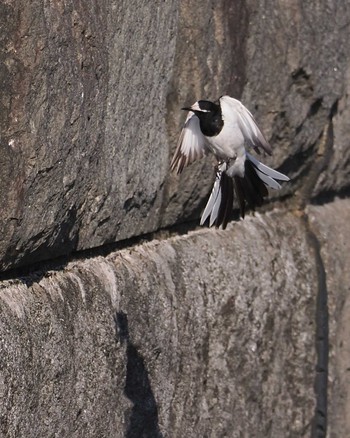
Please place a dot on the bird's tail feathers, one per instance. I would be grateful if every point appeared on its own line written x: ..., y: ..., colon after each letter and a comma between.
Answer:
x: 220, y: 204
x: 250, y: 189
x: 267, y: 174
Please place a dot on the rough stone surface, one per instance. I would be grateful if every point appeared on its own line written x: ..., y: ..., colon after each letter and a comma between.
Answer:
x: 207, y: 334
x: 83, y: 130
x: 211, y: 333
x: 296, y: 73
x: 90, y: 99
x: 331, y: 225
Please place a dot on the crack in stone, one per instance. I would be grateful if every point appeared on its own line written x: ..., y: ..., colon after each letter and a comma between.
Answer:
x: 323, y: 153
x: 319, y: 423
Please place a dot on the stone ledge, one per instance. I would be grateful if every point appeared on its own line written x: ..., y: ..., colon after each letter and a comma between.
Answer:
x: 206, y: 334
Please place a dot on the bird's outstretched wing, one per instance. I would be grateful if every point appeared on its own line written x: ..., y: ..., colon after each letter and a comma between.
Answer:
x: 191, y: 144
x: 250, y: 130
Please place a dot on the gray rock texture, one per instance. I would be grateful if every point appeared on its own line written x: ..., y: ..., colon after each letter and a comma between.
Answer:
x: 206, y: 334
x: 84, y: 133
x: 331, y: 225
x: 118, y: 317
x: 91, y: 95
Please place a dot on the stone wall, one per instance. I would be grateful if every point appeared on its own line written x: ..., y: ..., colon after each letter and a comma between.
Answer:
x: 119, y: 316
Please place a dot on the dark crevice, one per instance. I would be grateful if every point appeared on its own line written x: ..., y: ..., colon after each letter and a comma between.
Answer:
x: 324, y: 151
x: 300, y: 75
x: 34, y: 272
x: 319, y: 423
x: 329, y: 196
x: 314, y: 108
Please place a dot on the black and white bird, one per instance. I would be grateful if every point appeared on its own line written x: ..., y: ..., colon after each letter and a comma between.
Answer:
x: 225, y: 128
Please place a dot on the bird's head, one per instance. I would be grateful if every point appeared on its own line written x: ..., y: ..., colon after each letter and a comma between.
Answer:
x: 209, y: 114
x: 203, y: 107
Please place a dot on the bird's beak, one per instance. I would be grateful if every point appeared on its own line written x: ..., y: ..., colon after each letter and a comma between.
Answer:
x: 195, y: 108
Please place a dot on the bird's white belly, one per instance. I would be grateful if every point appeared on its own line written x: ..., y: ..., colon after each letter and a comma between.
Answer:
x: 229, y: 143
x: 237, y: 167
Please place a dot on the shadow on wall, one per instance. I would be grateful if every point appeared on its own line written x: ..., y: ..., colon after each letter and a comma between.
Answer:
x: 143, y: 420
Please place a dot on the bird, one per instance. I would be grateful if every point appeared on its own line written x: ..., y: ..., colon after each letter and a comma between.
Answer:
x: 226, y: 128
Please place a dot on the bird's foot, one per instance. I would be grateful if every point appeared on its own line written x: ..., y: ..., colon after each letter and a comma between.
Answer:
x: 231, y: 160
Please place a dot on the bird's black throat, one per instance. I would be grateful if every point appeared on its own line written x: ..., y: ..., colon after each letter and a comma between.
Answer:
x: 210, y: 118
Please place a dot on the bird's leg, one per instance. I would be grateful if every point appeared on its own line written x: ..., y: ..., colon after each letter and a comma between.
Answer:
x: 217, y: 169
x: 220, y: 168
x: 230, y: 160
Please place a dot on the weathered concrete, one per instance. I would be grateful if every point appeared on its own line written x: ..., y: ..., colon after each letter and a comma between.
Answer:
x: 206, y: 334
x: 90, y: 99
x: 331, y: 225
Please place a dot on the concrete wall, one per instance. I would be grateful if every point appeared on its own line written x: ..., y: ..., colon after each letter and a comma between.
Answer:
x: 119, y: 316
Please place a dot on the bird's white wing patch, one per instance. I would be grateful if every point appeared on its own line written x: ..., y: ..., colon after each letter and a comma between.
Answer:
x: 191, y: 144
x: 246, y: 122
